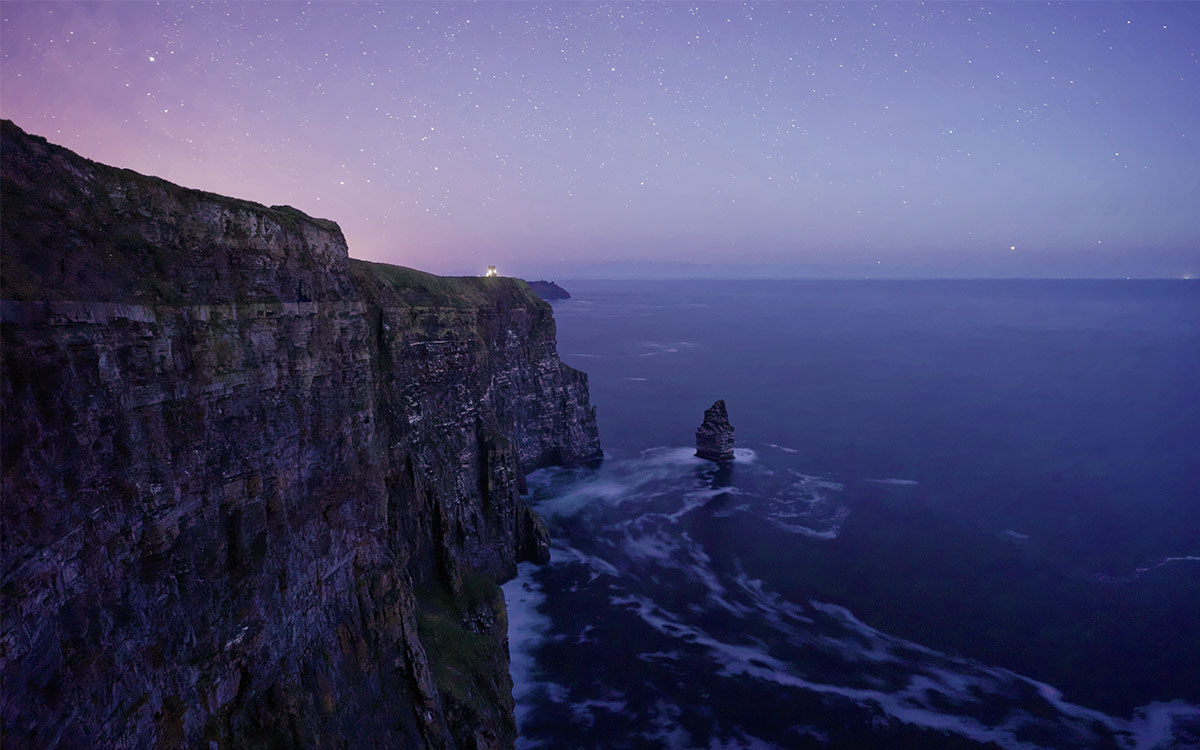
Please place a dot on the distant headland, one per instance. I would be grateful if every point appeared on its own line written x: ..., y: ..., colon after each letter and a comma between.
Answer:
x: 548, y: 290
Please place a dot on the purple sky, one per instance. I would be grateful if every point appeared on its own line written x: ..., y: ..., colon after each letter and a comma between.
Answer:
x: 674, y: 139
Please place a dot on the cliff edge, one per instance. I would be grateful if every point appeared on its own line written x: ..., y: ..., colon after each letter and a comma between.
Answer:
x: 256, y: 493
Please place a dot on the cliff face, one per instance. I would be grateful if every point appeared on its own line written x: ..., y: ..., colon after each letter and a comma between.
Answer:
x: 255, y: 492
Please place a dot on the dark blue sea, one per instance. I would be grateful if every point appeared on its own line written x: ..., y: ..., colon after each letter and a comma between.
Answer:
x: 962, y: 514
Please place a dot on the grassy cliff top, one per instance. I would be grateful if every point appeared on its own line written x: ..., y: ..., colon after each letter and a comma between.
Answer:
x: 421, y: 289
x: 19, y: 144
x: 75, y: 229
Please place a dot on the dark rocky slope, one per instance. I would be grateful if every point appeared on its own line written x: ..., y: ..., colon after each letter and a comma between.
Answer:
x: 548, y: 289
x: 256, y: 493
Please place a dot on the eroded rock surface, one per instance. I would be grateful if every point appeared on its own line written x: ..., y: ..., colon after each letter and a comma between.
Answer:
x: 256, y: 493
x: 714, y: 437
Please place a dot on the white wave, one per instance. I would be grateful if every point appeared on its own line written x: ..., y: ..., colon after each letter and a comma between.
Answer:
x: 679, y: 552
x: 741, y: 741
x: 585, y: 711
x: 1149, y: 729
x: 829, y: 532
x: 667, y: 730
x: 906, y: 681
x: 673, y: 455
x: 866, y: 632
x: 1015, y: 535
x: 656, y: 348
x: 668, y: 655
x: 527, y: 627
x: 753, y: 661
x: 1139, y: 572
x: 893, y: 481
x: 808, y: 531
x: 655, y: 472
x: 1151, y: 726
x: 700, y: 498
x: 636, y: 380
x: 769, y: 604
x: 668, y: 346
x: 933, y: 683
x: 582, y: 495
x: 660, y: 548
x: 598, y: 565
x: 813, y: 483
x: 585, y: 635
x: 783, y: 448
x: 804, y: 730
x: 744, y: 456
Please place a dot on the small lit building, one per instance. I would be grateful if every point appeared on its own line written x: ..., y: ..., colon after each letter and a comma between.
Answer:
x: 491, y: 271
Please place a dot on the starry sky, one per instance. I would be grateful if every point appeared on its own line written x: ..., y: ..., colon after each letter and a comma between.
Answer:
x: 570, y: 140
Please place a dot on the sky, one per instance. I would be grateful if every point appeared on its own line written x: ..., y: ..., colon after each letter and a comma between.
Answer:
x: 569, y: 140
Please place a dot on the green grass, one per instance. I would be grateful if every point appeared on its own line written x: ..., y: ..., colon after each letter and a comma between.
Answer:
x: 65, y: 238
x: 425, y: 289
x: 464, y: 663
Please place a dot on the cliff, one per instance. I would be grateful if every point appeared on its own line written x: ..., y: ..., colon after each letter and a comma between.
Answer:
x: 548, y: 290
x: 256, y: 493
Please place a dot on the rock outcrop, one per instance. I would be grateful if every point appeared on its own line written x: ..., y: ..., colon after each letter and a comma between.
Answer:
x: 256, y: 494
x: 548, y: 289
x: 714, y: 437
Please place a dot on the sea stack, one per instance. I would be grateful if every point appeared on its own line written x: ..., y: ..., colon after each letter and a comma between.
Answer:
x: 714, y: 437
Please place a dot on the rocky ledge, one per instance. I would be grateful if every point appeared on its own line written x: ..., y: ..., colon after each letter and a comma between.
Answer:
x: 714, y: 437
x: 256, y: 494
x: 548, y: 289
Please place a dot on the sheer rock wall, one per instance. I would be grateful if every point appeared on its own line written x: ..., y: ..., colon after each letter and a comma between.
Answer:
x: 256, y: 493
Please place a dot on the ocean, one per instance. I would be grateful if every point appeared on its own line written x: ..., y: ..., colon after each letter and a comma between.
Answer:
x: 961, y: 514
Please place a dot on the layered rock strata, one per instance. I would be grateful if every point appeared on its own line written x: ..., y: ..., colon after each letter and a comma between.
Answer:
x: 256, y: 493
x: 714, y: 437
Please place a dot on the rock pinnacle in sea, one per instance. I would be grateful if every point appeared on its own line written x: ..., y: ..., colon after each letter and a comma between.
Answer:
x: 714, y: 437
